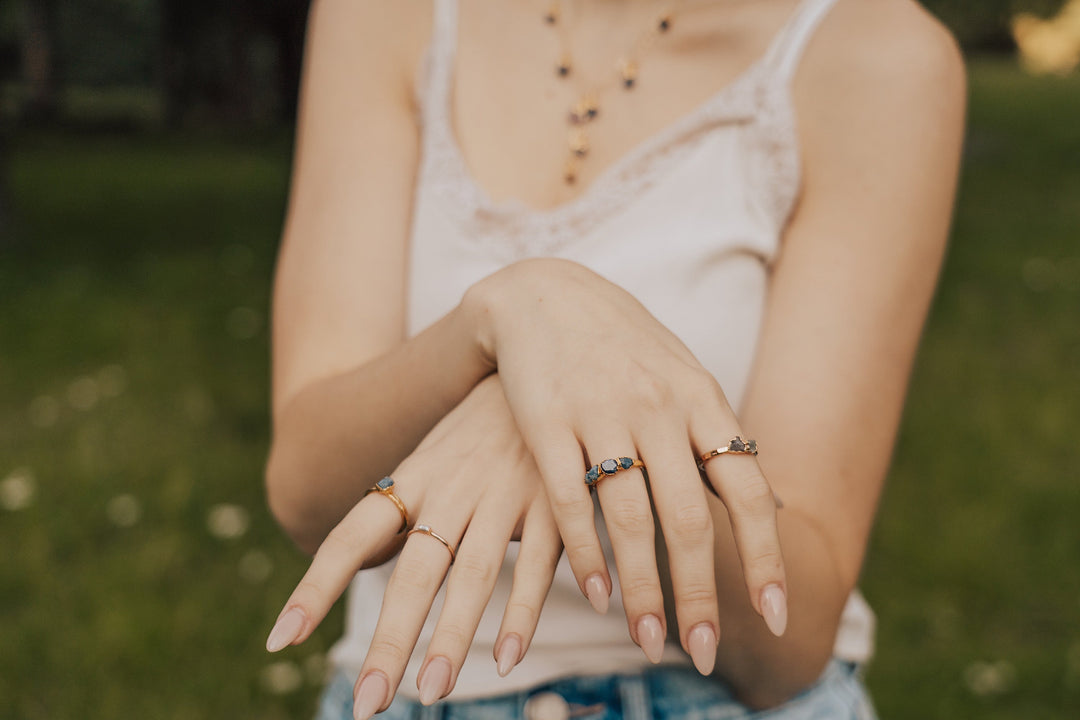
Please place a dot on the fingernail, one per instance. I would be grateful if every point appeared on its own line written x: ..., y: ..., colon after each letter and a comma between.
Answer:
x: 509, y: 654
x: 597, y: 592
x: 650, y: 636
x: 434, y: 680
x: 370, y: 696
x: 774, y: 608
x: 285, y: 630
x: 701, y: 643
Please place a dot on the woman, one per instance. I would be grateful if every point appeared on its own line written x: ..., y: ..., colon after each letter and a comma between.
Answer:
x: 536, y: 251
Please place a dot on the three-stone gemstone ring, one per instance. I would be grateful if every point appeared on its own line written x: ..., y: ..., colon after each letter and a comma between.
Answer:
x: 596, y: 473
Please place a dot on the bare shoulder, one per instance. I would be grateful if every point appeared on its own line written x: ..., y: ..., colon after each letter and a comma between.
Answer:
x: 387, y: 36
x: 893, y: 43
x: 880, y: 98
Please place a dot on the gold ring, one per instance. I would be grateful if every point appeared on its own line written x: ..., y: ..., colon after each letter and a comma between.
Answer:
x: 386, y: 487
x: 736, y: 446
x: 596, y: 473
x: 426, y: 530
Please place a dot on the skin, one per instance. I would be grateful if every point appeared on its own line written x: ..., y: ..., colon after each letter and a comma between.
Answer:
x: 879, y: 96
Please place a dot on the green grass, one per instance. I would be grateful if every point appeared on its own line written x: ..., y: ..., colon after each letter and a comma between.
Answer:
x: 133, y: 389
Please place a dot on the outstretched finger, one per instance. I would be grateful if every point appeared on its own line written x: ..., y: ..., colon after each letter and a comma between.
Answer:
x: 468, y: 590
x: 739, y: 483
x: 366, y: 529
x: 534, y: 571
x: 560, y: 459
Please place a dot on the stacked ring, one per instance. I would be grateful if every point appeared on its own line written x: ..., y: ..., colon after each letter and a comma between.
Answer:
x: 736, y: 446
x: 596, y: 473
x: 386, y: 487
x: 426, y: 530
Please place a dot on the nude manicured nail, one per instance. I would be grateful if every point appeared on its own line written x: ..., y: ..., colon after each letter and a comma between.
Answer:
x: 701, y: 643
x: 370, y: 696
x: 434, y: 680
x: 650, y: 636
x: 285, y: 630
x: 509, y: 655
x: 774, y: 608
x: 597, y: 592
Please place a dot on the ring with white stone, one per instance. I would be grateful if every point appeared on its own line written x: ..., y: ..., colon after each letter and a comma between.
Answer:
x: 386, y: 487
x: 426, y: 530
x: 596, y: 473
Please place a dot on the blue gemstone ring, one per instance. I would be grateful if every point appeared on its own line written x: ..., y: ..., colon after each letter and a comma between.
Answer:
x: 596, y: 473
x: 386, y: 487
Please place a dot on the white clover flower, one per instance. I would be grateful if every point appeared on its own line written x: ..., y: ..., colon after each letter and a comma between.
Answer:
x: 244, y: 323
x: 112, y: 380
x: 226, y: 521
x: 44, y: 411
x: 986, y: 679
x: 255, y: 566
x: 123, y: 510
x: 17, y: 490
x: 83, y: 393
x: 281, y: 678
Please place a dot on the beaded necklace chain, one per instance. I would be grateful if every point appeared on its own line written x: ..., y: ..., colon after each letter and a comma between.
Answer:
x: 586, y: 109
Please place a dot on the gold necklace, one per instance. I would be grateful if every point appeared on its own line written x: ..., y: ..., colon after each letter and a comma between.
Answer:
x: 586, y: 109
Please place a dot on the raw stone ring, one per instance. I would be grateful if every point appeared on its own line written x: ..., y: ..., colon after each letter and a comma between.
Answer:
x: 596, y: 473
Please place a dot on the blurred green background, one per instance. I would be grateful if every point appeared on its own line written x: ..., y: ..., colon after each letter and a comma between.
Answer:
x: 143, y: 171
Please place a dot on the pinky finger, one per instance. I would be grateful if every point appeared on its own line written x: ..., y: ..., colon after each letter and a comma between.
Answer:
x: 541, y: 547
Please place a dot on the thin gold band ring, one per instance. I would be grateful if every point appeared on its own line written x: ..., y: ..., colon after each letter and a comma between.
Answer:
x: 386, y: 487
x: 426, y: 530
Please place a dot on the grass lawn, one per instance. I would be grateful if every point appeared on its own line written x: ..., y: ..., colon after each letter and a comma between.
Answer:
x: 141, y: 570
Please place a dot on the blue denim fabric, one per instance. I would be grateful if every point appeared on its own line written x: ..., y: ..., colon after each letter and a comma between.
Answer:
x: 664, y: 693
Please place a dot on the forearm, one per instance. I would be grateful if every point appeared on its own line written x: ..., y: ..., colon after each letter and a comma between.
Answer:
x: 338, y: 435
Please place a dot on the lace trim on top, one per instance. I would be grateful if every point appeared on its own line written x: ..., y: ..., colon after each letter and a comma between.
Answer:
x: 759, y: 98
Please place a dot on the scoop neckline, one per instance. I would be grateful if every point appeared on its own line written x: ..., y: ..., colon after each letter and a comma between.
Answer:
x: 611, y: 176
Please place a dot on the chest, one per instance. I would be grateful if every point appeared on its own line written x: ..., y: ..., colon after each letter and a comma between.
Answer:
x: 508, y: 107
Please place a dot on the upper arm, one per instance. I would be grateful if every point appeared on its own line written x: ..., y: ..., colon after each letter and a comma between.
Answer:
x: 880, y: 100
x: 339, y: 295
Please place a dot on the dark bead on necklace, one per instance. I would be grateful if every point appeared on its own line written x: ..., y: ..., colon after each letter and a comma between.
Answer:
x: 562, y: 70
x: 550, y: 18
x: 629, y: 83
x: 664, y: 25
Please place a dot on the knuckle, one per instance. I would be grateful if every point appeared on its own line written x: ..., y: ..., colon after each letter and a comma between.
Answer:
x: 629, y: 519
x: 453, y: 635
x: 472, y: 571
x: 641, y: 587
x: 567, y: 501
x: 755, y: 499
x: 522, y: 612
x: 389, y: 647
x: 653, y: 393
x: 693, y: 524
x: 308, y: 594
x: 341, y: 543
x: 768, y: 561
x: 411, y: 577
x: 695, y: 595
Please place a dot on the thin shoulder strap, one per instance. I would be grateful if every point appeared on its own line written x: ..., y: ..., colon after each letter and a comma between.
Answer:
x: 787, y: 48
x: 441, y: 51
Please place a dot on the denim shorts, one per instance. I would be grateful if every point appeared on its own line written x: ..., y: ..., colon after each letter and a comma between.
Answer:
x: 662, y: 693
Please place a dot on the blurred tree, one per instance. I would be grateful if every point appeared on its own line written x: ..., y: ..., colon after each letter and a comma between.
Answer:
x: 38, y: 60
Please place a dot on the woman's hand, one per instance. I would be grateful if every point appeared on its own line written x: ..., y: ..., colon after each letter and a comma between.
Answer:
x: 472, y: 481
x: 586, y: 368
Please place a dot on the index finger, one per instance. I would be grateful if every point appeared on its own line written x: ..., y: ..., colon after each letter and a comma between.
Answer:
x: 364, y: 531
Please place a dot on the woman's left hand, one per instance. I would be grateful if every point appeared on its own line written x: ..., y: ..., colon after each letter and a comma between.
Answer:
x: 473, y: 482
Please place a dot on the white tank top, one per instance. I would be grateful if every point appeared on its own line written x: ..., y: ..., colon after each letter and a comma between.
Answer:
x: 689, y: 222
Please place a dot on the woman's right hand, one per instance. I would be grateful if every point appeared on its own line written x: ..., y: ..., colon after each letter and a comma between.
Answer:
x: 588, y: 370
x: 473, y: 482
